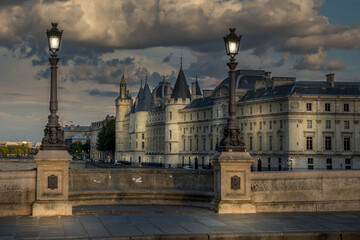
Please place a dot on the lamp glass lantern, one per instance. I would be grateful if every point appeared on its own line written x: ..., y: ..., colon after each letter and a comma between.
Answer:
x: 232, y: 43
x: 54, y: 38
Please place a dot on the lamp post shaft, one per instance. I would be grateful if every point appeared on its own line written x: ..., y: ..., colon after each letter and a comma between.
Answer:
x: 53, y: 137
x: 232, y: 141
x: 53, y: 94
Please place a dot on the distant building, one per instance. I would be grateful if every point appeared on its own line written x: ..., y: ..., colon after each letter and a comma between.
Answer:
x: 286, y: 124
x: 95, y: 128
x: 77, y: 133
x: 29, y: 144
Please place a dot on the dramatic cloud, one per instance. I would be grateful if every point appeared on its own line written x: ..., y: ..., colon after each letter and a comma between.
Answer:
x: 96, y: 92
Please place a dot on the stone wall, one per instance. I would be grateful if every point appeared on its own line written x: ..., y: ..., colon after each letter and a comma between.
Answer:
x: 20, y: 164
x: 141, y: 186
x: 306, y: 191
x: 17, y: 192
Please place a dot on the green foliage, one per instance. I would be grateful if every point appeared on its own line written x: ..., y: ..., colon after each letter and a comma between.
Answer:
x: 106, y: 137
x: 16, y: 150
x: 86, y: 147
x: 76, y: 149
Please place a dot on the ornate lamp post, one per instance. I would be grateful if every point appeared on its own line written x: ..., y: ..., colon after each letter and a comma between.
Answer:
x: 232, y: 141
x: 53, y: 137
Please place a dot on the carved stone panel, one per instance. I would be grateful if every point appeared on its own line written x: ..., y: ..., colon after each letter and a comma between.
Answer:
x: 52, y: 182
x: 235, y: 182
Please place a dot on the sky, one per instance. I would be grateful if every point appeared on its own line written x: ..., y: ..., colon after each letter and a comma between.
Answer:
x: 102, y: 40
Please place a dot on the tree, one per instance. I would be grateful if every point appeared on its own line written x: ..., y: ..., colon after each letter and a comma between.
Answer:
x: 76, y: 148
x: 106, y: 137
x: 86, y: 147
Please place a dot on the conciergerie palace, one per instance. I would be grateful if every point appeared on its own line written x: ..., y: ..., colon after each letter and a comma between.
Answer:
x: 286, y: 124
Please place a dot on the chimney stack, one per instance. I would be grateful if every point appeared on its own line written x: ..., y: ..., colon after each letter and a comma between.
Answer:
x: 330, y: 79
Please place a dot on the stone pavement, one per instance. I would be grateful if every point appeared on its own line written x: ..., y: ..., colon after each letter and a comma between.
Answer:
x: 185, y: 225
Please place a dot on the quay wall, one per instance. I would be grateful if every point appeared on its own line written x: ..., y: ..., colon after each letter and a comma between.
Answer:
x: 141, y: 186
x: 17, y: 192
x: 308, y: 191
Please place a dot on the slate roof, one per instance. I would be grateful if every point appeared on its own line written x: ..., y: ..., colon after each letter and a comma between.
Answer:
x: 146, y: 100
x: 181, y: 88
x: 200, y: 102
x: 133, y: 107
x: 305, y: 88
x: 245, y: 79
x: 77, y: 128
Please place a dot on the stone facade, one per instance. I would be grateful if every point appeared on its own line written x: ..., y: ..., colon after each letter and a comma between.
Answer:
x: 287, y: 124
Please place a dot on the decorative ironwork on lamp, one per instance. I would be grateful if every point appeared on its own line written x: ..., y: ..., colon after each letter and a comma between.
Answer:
x: 232, y: 140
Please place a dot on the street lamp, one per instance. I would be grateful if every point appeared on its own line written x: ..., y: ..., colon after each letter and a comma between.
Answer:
x: 291, y: 163
x: 53, y: 137
x: 232, y: 141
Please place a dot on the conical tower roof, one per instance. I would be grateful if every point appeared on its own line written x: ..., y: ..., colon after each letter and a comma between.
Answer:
x: 181, y: 88
x: 146, y: 100
x: 197, y: 86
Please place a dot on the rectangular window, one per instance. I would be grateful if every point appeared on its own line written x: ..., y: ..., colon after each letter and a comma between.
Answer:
x: 309, y: 124
x: 260, y: 125
x: 281, y: 124
x: 184, y: 145
x: 204, y: 115
x: 346, y: 124
x: 139, y: 158
x: 142, y: 145
x: 211, y: 144
x: 346, y: 107
x: 270, y: 108
x: 270, y: 124
x: 260, y: 143
x: 270, y: 143
x: 136, y: 136
x: 347, y: 163
x: 309, y: 143
x: 197, y: 144
x: 310, y: 163
x: 281, y: 143
x: 308, y: 107
x: 197, y: 116
x: 279, y: 163
x: 346, y: 143
x: 242, y: 127
x: 190, y: 144
x: 184, y: 117
x: 143, y: 136
x: 170, y: 134
x: 327, y: 107
x: 170, y: 115
x: 242, y: 111
x: 169, y: 147
x: 250, y: 110
x: 327, y: 143
x: 329, y: 163
x: 190, y: 116
x: 251, y: 143
x: 269, y: 164
x: 327, y: 124
x: 136, y: 145
x: 250, y: 126
x: 260, y: 109
x: 204, y: 144
x: 280, y: 107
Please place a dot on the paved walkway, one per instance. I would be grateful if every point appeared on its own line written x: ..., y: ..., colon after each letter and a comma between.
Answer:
x: 331, y: 225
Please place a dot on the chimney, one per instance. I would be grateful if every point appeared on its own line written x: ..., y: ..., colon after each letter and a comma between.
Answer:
x: 330, y: 79
x: 193, y: 90
x: 268, y: 75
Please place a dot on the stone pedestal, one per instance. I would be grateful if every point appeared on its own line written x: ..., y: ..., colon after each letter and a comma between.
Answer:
x: 232, y: 182
x: 52, y: 183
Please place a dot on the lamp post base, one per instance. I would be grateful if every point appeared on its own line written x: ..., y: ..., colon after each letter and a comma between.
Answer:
x: 52, y: 208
